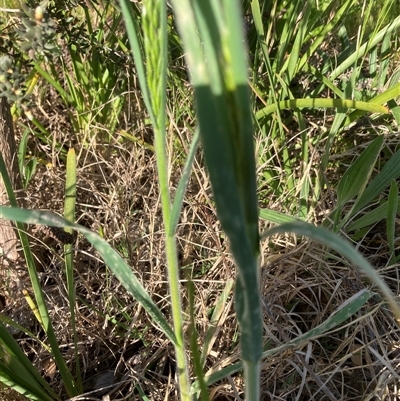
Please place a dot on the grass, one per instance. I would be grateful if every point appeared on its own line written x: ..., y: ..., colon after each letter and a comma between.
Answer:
x: 159, y: 285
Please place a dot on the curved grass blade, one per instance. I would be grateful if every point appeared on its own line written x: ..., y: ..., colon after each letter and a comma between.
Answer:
x: 389, y: 172
x: 344, y: 312
x: 369, y: 218
x: 355, y: 179
x: 276, y: 217
x: 180, y: 191
x: 343, y: 247
x: 113, y: 260
x: 384, y: 97
x: 360, y: 51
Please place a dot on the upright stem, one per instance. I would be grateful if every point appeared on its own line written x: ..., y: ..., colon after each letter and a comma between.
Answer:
x: 251, y: 372
x: 155, y: 45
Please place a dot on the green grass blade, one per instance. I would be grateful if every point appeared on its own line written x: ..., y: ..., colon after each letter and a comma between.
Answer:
x: 136, y: 42
x: 219, y: 75
x: 344, y: 312
x: 384, y: 97
x: 113, y: 260
x: 7, y: 321
x: 293, y: 61
x: 79, y: 69
x: 226, y: 129
x: 50, y: 79
x: 389, y: 172
x: 276, y: 217
x: 361, y: 51
x: 20, y: 383
x: 395, y: 110
x: 393, y: 205
x: 355, y: 179
x: 152, y: 50
x: 320, y: 35
x: 44, y: 136
x: 343, y: 247
x: 180, y: 191
x: 369, y: 218
x: 69, y: 214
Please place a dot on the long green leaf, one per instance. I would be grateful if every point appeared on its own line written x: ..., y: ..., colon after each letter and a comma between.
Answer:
x: 360, y: 51
x: 356, y: 177
x: 344, y: 312
x: 276, y: 217
x: 180, y: 191
x: 152, y: 74
x: 389, y: 172
x: 135, y: 40
x: 343, y: 247
x: 393, y: 204
x: 384, y: 97
x: 370, y: 217
x: 50, y: 79
x: 219, y: 76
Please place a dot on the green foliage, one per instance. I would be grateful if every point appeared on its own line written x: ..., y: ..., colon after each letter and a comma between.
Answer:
x: 97, y: 79
x: 357, y: 187
x: 69, y: 214
x: 37, y: 32
x: 51, y: 36
x: 26, y: 163
x: 17, y: 371
x: 286, y: 53
x: 355, y: 179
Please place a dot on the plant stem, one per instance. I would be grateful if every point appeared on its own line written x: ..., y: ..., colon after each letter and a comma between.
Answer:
x: 252, y: 380
x: 155, y: 41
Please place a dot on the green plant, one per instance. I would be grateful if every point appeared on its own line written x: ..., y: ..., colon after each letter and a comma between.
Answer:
x: 97, y: 79
x: 26, y: 163
x: 289, y: 60
x: 214, y: 50
x: 90, y: 85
